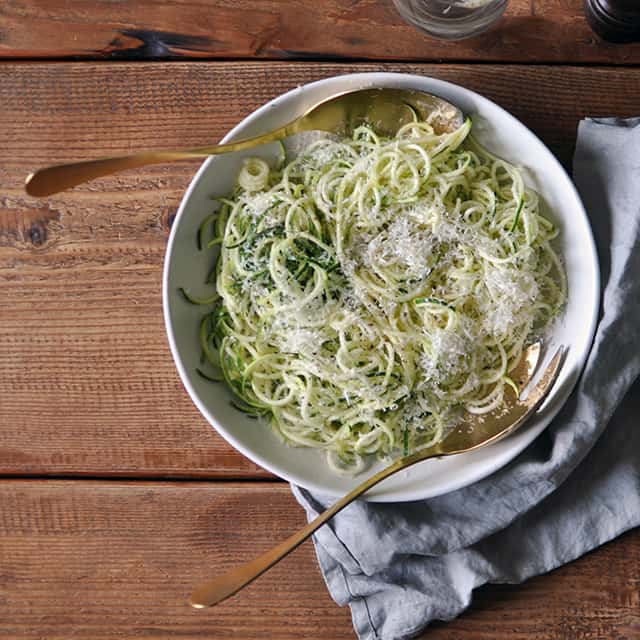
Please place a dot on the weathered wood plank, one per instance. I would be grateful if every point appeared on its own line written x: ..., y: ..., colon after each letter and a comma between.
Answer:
x: 107, y: 560
x: 87, y: 385
x: 531, y: 31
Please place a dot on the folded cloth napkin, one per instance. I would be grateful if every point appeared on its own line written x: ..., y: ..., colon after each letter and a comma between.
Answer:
x: 401, y: 565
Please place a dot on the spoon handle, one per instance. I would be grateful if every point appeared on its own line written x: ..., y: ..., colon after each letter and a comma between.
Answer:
x: 218, y: 589
x: 50, y: 180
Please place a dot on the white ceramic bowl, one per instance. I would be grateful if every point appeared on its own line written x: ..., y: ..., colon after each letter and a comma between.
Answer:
x: 184, y: 266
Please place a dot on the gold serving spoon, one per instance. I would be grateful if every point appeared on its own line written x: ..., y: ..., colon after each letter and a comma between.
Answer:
x: 385, y: 109
x: 474, y: 432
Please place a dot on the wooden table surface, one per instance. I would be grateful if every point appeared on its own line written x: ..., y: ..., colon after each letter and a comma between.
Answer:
x: 115, y: 494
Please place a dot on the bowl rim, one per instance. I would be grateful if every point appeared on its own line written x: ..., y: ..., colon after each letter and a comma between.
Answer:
x: 552, y: 404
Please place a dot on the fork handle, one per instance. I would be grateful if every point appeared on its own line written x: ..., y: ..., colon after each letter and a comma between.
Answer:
x: 218, y: 589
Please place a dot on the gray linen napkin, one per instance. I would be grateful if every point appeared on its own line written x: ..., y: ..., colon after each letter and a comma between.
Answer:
x: 399, y: 566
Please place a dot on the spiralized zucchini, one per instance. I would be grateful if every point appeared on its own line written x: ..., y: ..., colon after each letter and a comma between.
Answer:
x: 372, y: 289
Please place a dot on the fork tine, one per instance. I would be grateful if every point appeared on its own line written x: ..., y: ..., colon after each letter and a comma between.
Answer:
x: 547, y: 380
x: 537, y: 395
x: 479, y: 430
x: 525, y: 370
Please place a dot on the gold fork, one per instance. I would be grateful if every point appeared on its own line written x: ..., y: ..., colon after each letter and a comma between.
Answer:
x: 473, y: 432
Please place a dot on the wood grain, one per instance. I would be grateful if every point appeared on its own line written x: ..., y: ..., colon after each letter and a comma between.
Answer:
x: 531, y: 31
x: 107, y: 560
x: 87, y: 385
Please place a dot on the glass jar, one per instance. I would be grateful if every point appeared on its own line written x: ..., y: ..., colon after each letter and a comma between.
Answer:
x: 451, y: 19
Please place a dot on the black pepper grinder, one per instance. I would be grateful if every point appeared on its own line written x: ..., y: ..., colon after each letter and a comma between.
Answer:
x: 614, y: 20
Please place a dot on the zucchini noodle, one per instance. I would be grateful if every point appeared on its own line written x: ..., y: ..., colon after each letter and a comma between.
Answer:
x: 372, y: 289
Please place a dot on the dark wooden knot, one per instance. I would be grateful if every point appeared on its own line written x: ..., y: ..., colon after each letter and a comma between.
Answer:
x: 37, y: 234
x: 168, y: 216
